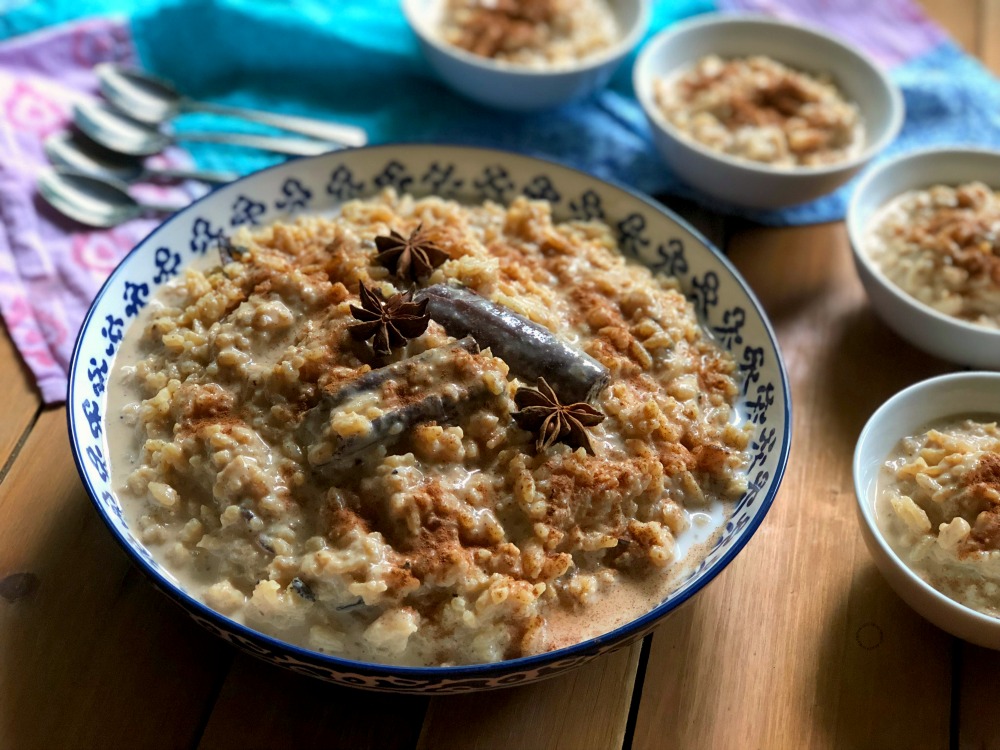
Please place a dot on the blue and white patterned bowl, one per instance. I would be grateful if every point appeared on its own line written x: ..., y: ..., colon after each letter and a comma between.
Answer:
x: 647, y: 232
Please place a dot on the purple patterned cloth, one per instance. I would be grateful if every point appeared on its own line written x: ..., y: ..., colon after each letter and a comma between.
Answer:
x: 51, y: 267
x: 891, y: 31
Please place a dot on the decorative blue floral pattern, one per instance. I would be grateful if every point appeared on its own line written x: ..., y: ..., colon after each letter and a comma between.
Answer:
x: 671, y: 258
x: 632, y: 235
x: 202, y: 236
x: 540, y: 189
x: 643, y: 233
x: 135, y: 295
x: 167, y: 262
x: 704, y: 293
x: 98, y: 376
x: 394, y: 175
x: 441, y: 180
x: 729, y: 333
x: 295, y: 196
x: 587, y: 207
x: 494, y: 184
x: 114, y: 332
x: 342, y: 185
x: 92, y: 412
x: 246, y: 211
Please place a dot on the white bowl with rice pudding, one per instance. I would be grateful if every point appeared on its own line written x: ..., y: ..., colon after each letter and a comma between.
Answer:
x: 525, y: 55
x: 427, y: 417
x: 925, y: 232
x: 763, y: 113
x: 927, y: 479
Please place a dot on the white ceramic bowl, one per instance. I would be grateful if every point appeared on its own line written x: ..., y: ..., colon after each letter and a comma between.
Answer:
x: 514, y: 87
x: 741, y: 181
x: 908, y: 413
x: 646, y: 232
x: 921, y: 325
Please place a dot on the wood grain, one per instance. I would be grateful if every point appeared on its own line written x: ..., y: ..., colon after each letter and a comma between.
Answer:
x: 266, y: 707
x: 989, y: 34
x: 977, y: 668
x: 961, y: 19
x: 21, y: 399
x: 800, y: 643
x: 91, y: 656
x: 587, y: 708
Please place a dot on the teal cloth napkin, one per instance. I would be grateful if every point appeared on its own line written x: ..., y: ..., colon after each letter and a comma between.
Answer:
x: 355, y: 61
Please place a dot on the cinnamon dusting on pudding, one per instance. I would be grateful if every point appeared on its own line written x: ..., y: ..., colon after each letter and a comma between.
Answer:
x: 392, y: 509
x: 532, y: 33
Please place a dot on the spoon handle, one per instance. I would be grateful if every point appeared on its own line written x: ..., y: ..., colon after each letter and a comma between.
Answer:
x: 291, y: 146
x: 347, y: 135
x: 202, y: 175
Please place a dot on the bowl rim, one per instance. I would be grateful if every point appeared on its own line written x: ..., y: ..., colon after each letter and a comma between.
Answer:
x: 855, y: 232
x: 616, y: 51
x: 622, y: 633
x: 643, y: 92
x: 867, y: 509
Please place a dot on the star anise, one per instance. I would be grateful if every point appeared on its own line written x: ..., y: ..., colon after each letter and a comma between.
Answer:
x: 411, y: 257
x: 391, y: 321
x: 541, y: 413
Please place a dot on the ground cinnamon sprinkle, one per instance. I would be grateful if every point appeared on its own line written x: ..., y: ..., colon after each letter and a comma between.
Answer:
x: 535, y: 33
x: 941, y: 491
x: 941, y: 246
x: 459, y: 539
x: 759, y: 109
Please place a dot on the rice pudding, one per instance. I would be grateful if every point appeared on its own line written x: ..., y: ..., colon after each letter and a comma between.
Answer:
x: 425, y: 433
x: 758, y: 109
x: 530, y: 33
x: 941, y: 246
x: 938, y: 506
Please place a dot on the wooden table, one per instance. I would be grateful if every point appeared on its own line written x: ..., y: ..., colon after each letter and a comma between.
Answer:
x: 799, y: 643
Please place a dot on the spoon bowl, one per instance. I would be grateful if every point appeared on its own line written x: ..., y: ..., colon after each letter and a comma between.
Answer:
x: 145, y: 97
x: 118, y: 132
x: 91, y: 200
x: 78, y: 152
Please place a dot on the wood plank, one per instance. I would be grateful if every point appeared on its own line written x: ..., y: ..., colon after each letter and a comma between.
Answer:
x: 90, y: 654
x: 978, y: 727
x: 587, y: 708
x: 977, y: 668
x: 989, y: 29
x: 21, y: 399
x: 800, y: 643
x: 961, y: 18
x: 263, y: 706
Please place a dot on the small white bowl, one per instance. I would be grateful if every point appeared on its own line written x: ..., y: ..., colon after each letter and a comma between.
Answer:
x: 908, y: 413
x: 517, y: 87
x: 741, y: 181
x: 921, y: 325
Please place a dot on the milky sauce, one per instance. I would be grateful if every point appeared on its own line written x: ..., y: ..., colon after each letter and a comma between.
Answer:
x: 351, y: 570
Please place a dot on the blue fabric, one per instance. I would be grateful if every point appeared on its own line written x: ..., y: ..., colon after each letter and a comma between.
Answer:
x: 356, y: 61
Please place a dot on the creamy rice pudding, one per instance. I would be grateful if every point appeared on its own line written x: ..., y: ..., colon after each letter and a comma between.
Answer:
x: 758, y: 109
x: 942, y: 247
x: 532, y: 33
x: 425, y: 433
x: 938, y: 506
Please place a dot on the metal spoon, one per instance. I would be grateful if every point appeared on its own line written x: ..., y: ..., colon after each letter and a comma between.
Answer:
x: 121, y: 133
x: 153, y: 100
x: 92, y: 200
x: 77, y: 152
